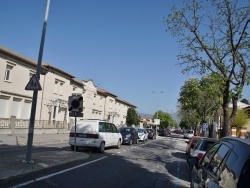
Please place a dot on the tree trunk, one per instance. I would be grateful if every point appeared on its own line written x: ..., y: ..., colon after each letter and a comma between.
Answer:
x: 227, y: 119
x: 226, y: 128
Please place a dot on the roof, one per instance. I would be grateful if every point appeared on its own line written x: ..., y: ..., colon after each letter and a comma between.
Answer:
x: 50, y: 67
x: 16, y: 55
x: 246, y: 141
x: 240, y: 105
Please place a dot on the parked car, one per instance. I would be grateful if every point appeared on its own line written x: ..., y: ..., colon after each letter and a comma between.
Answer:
x: 129, y: 135
x: 191, y: 143
x: 151, y: 133
x: 201, y: 147
x: 143, y: 134
x: 164, y: 132
x: 225, y: 164
x: 189, y: 134
x: 94, y: 134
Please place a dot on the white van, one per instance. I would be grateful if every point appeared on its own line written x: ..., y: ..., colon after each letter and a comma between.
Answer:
x: 95, y: 134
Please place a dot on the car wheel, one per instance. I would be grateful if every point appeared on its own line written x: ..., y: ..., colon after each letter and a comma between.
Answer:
x: 130, y: 142
x: 118, y: 144
x: 102, y: 147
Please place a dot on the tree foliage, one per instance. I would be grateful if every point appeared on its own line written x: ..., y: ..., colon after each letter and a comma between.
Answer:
x: 214, y: 38
x: 245, y: 101
x: 132, y: 117
x: 166, y: 119
x: 240, y: 120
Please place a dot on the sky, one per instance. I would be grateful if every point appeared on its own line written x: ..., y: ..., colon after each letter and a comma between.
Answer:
x: 122, y: 45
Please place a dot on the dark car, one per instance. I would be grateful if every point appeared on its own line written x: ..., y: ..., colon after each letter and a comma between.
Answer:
x: 225, y: 164
x: 151, y: 133
x: 164, y: 132
x: 129, y: 135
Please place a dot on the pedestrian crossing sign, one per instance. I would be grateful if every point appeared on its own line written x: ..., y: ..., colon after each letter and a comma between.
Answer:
x: 33, y: 84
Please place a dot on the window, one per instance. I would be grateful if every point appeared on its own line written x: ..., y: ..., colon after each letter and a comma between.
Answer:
x: 108, y: 128
x: 209, y: 154
x: 4, y: 106
x: 54, y: 114
x: 101, y: 127
x: 114, y: 129
x: 7, y: 73
x: 56, y: 87
x: 217, y: 159
x: 230, y: 173
x: 26, y: 109
x: 16, y: 107
x: 61, y: 89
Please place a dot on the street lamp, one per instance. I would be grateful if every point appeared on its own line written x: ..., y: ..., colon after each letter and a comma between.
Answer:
x: 157, y: 106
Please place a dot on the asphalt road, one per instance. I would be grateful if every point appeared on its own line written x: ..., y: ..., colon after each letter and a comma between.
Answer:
x: 156, y: 163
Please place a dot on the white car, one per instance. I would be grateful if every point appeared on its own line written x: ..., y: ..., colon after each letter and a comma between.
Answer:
x: 189, y: 134
x: 94, y: 134
x: 143, y: 134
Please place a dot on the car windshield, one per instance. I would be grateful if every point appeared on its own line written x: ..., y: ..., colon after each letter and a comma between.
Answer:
x: 190, y: 132
x: 125, y: 130
x: 140, y: 130
x: 149, y: 130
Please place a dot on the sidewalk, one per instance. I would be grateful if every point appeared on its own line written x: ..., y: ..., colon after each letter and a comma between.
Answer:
x: 11, y: 165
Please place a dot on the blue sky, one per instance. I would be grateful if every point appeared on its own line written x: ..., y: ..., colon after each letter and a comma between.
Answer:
x: 121, y: 45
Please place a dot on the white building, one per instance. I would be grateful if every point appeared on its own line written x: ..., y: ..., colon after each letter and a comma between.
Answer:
x: 52, y: 102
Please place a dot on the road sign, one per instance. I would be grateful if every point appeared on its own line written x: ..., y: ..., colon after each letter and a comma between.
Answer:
x: 205, y: 126
x: 33, y: 84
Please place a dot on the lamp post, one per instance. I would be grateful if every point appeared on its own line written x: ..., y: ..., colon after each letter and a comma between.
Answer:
x: 157, y: 107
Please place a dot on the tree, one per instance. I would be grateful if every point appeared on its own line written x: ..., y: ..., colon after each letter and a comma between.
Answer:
x: 240, y: 120
x: 214, y: 38
x: 132, y: 117
x: 184, y: 124
x: 200, y: 99
x: 166, y: 119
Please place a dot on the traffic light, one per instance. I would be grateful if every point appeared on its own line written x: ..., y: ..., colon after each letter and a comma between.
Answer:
x: 75, y: 103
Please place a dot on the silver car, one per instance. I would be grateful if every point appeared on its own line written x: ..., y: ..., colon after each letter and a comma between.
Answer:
x: 143, y: 134
x: 189, y: 134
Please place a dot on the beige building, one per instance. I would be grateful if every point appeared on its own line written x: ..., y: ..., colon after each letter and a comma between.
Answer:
x: 52, y: 102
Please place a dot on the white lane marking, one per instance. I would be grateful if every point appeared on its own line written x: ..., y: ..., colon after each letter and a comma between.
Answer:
x: 60, y: 172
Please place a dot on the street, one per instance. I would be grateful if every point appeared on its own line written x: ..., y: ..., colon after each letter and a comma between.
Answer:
x: 155, y: 163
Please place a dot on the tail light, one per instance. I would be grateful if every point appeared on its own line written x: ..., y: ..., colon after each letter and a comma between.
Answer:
x: 71, y: 134
x: 200, y: 155
x: 93, y: 136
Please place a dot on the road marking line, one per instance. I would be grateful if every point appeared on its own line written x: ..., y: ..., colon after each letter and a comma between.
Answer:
x: 60, y: 172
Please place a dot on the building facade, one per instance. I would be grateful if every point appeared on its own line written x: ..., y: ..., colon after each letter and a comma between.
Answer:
x: 52, y: 103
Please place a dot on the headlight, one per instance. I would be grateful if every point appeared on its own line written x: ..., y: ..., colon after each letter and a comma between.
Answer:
x: 128, y: 135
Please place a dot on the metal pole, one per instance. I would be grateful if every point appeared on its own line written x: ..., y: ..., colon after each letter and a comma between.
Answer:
x: 35, y: 93
x: 156, y: 109
x: 75, y: 133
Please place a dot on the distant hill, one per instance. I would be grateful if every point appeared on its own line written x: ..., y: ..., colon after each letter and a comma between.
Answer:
x: 174, y: 116
x: 145, y: 115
